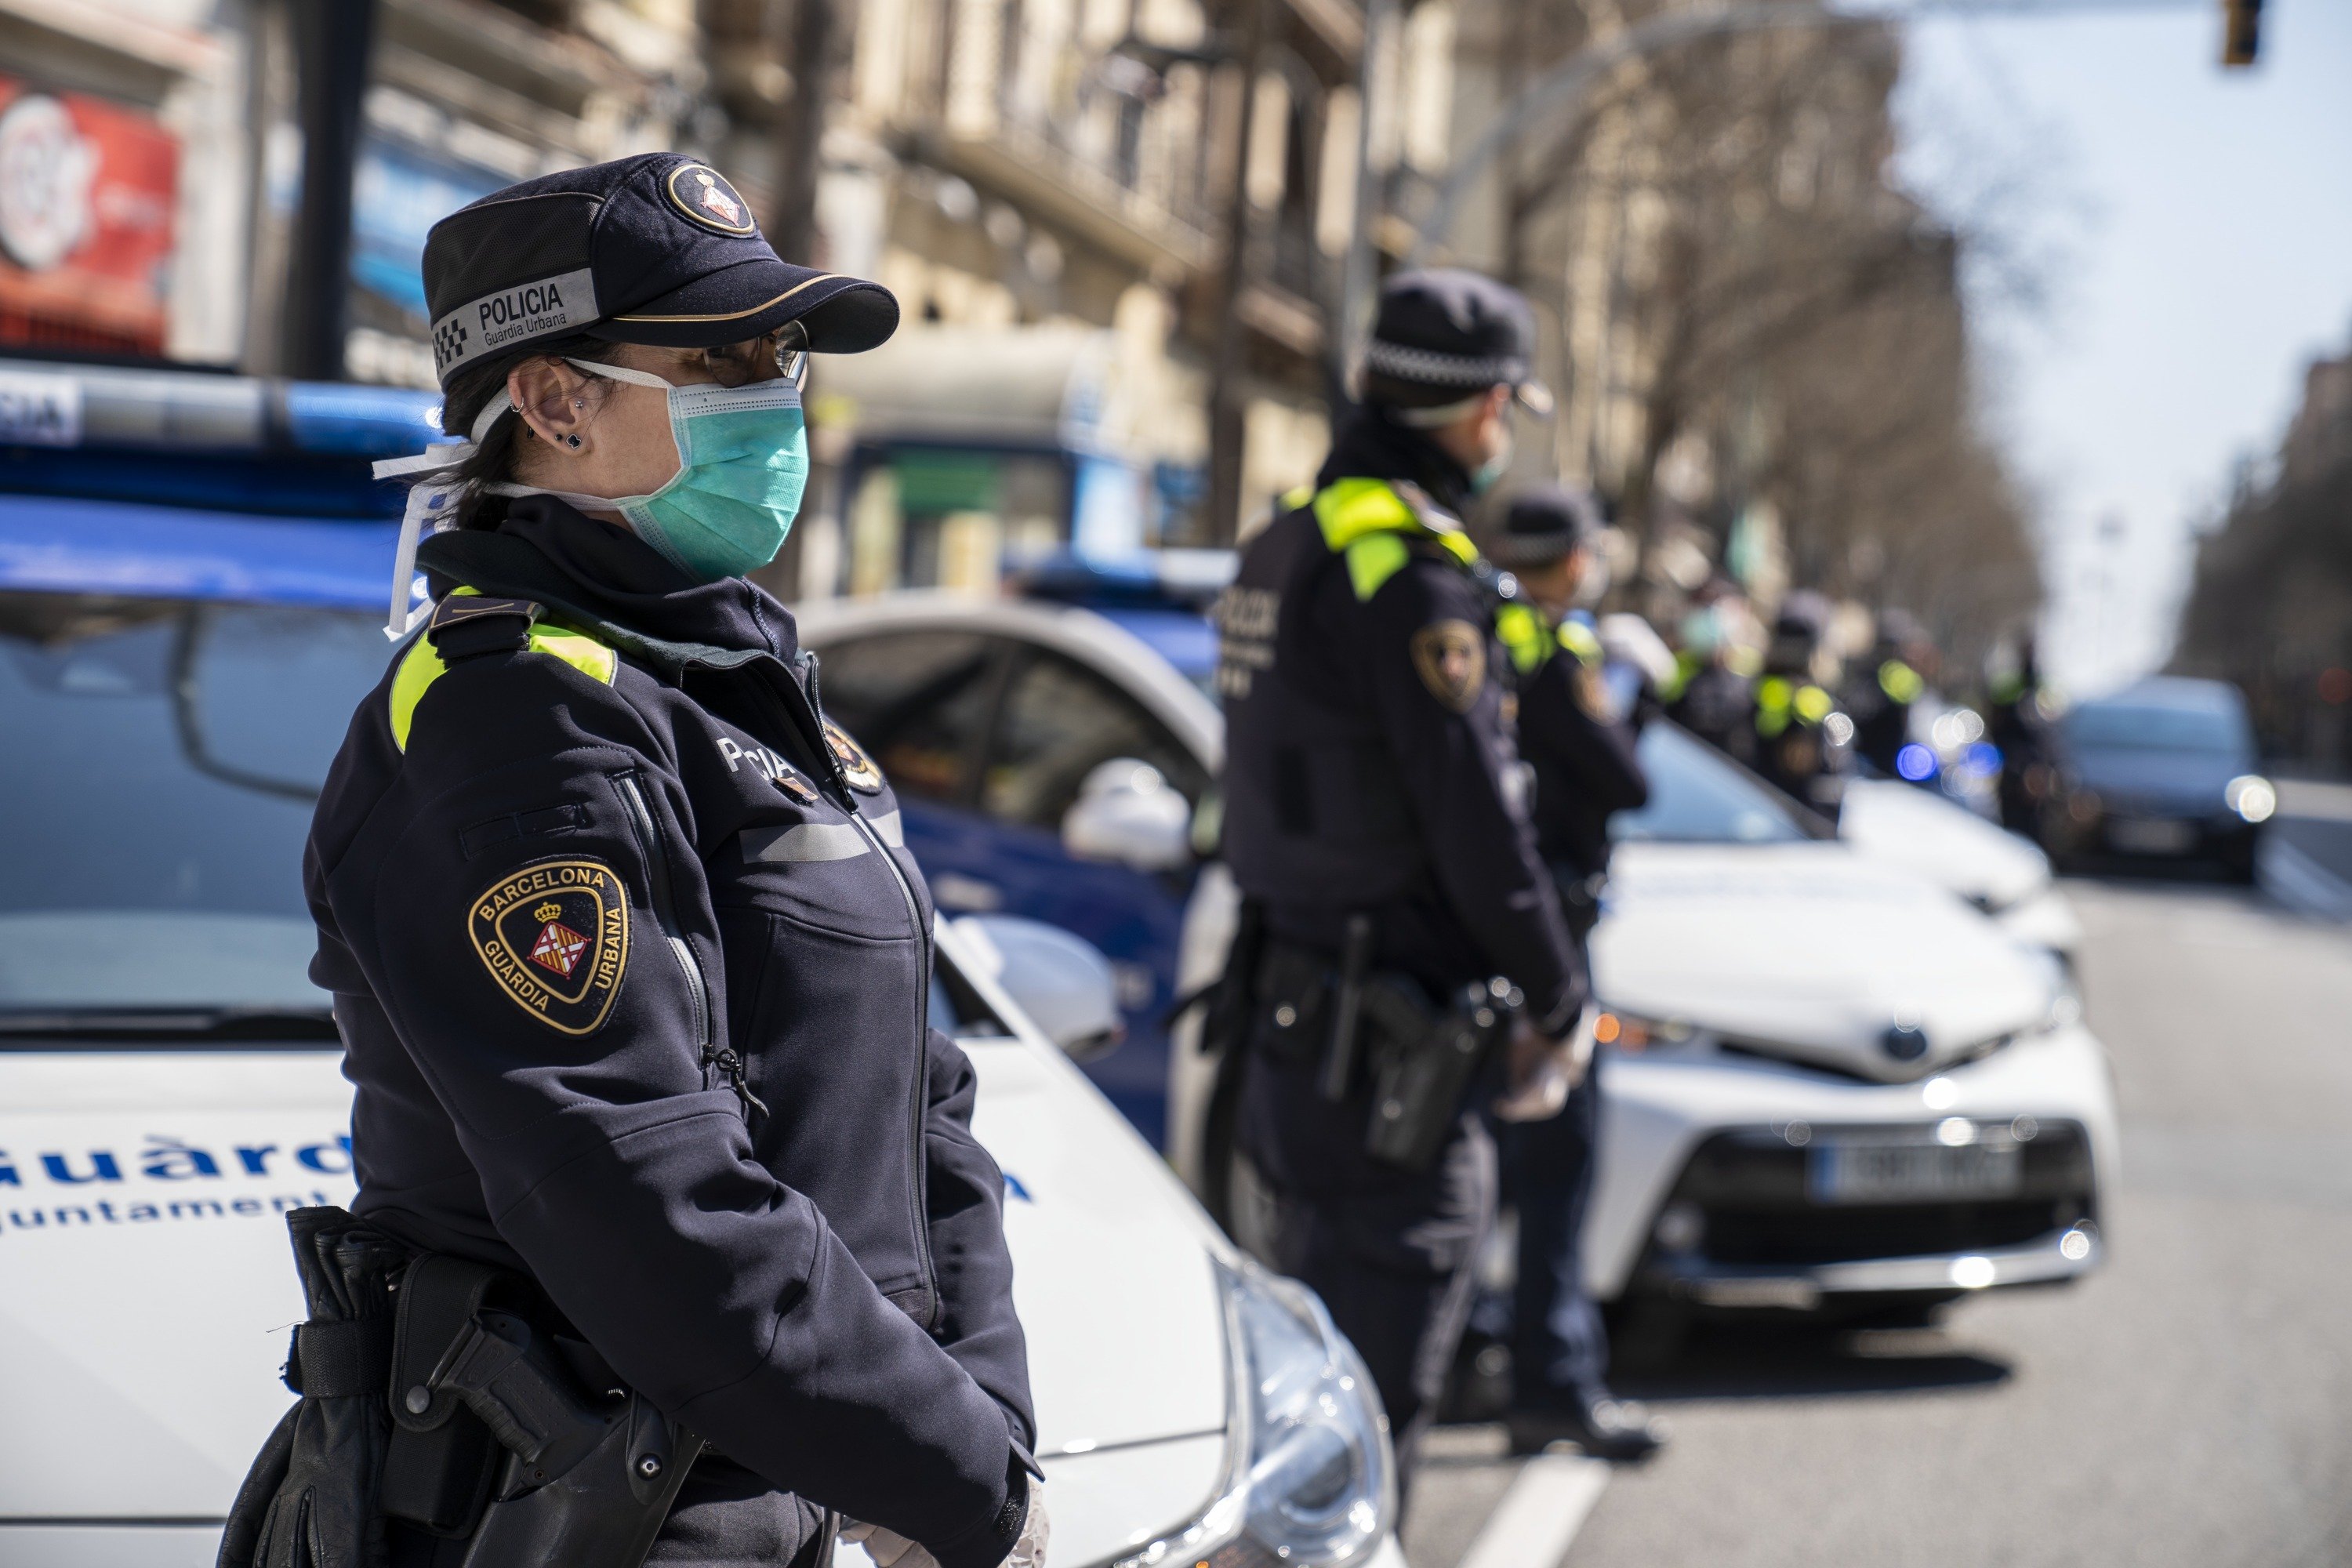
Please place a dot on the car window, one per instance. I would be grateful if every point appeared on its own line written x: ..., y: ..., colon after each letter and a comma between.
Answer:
x: 2101, y: 726
x: 1061, y: 721
x: 160, y: 764
x: 919, y: 700
x: 1698, y: 795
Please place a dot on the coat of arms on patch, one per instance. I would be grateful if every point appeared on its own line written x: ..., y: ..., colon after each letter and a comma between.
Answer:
x: 555, y: 937
x: 855, y: 765
x: 1450, y: 657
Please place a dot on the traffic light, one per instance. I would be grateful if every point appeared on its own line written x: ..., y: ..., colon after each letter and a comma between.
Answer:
x: 2241, y: 31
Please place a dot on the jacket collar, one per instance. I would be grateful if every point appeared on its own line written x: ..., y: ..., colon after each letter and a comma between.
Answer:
x: 605, y: 579
x: 1372, y: 446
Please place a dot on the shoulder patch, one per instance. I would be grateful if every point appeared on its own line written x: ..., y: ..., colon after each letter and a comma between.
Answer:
x: 855, y: 765
x: 555, y: 937
x: 1451, y: 657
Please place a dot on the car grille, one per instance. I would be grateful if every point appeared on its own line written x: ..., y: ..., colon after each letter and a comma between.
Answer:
x: 1749, y: 1191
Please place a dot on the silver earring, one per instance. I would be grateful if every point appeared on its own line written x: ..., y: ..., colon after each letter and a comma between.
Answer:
x: 578, y: 403
x: 572, y: 441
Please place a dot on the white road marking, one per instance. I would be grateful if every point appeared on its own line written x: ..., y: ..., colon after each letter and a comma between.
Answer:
x: 2302, y: 883
x: 1537, y: 1520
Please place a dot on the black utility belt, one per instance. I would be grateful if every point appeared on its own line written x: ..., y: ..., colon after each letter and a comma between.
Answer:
x: 1377, y: 1029
x: 434, y: 1396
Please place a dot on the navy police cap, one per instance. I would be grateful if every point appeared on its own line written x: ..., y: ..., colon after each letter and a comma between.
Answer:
x: 1545, y: 523
x: 656, y: 248
x: 1445, y: 334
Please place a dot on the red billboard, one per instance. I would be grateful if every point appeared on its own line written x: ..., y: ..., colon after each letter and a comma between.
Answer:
x: 87, y: 189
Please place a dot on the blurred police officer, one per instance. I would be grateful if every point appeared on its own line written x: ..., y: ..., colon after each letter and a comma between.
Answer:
x: 652, y: 1139
x: 1586, y: 768
x: 1803, y: 740
x: 1712, y: 691
x: 1376, y: 822
x: 2024, y: 707
x: 1901, y: 659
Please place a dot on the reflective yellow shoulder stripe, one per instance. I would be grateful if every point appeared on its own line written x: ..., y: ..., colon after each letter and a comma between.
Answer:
x: 1900, y: 682
x: 1579, y: 639
x: 1296, y: 498
x: 1814, y: 704
x: 1354, y: 514
x: 422, y: 665
x: 1348, y: 510
x: 1772, y: 697
x: 1373, y: 560
x: 1524, y: 633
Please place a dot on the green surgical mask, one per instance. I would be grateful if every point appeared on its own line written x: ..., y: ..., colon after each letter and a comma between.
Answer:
x: 1485, y: 476
x: 743, y: 465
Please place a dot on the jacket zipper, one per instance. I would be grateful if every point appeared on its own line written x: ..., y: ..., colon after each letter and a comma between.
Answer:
x: 641, y: 820
x: 918, y: 1193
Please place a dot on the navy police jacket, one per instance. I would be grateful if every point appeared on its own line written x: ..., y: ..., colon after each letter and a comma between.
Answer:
x: 1587, y: 759
x: 631, y: 971
x: 1369, y: 761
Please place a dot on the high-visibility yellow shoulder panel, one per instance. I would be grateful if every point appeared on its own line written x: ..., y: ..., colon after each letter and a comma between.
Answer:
x: 1524, y: 633
x: 422, y: 665
x: 1348, y: 509
x: 1900, y: 682
x: 1814, y: 704
x: 1373, y: 560
x: 1579, y: 639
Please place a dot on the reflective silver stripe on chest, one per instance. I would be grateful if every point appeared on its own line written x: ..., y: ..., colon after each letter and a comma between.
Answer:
x: 814, y: 841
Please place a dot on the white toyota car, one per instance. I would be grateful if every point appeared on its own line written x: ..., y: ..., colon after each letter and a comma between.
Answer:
x: 1834, y: 1083
x: 171, y: 686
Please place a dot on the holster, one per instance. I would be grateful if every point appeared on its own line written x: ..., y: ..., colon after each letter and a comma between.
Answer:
x: 1424, y: 1064
x: 430, y: 1407
x: 1421, y: 1060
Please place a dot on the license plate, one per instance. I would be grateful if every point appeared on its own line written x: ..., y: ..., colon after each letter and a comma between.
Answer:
x: 2151, y: 837
x: 1907, y: 1173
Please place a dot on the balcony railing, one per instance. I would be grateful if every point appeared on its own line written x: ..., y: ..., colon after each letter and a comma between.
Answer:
x: 1110, y: 147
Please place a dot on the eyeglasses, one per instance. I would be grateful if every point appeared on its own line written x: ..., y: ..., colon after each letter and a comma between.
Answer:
x: 781, y: 354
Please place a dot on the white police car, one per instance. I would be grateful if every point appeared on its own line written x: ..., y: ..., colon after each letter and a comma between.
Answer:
x: 1832, y: 1080
x: 174, y: 678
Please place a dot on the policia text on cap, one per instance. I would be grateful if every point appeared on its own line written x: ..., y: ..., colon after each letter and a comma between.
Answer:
x: 1396, y: 912
x: 672, y: 1236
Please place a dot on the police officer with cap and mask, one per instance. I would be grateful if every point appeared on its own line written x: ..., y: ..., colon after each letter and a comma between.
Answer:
x: 1587, y: 767
x: 672, y: 1240
x: 1394, y: 904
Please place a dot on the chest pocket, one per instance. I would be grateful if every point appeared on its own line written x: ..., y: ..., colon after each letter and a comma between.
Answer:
x: 825, y: 869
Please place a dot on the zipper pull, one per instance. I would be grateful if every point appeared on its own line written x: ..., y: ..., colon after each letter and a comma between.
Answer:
x: 725, y: 1059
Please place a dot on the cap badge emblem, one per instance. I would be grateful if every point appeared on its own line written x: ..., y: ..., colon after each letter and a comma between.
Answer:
x: 703, y: 194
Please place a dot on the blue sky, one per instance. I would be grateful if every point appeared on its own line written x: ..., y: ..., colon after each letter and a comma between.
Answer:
x: 2194, y: 226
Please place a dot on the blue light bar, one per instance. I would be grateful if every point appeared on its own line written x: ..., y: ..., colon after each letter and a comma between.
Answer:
x: 111, y: 409
x: 364, y: 421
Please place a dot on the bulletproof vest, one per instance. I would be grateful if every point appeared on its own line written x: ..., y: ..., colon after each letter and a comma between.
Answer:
x: 1313, y: 811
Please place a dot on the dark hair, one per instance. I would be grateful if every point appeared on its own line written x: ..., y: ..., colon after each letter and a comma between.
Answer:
x: 469, y: 393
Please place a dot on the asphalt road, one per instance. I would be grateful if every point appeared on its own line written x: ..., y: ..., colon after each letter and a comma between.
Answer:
x: 2190, y: 1404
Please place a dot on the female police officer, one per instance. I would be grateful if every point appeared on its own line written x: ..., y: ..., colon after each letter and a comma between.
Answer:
x: 630, y: 965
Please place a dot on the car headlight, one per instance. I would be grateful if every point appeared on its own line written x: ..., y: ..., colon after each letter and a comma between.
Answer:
x: 1630, y: 1032
x: 1310, y: 1476
x: 2251, y: 797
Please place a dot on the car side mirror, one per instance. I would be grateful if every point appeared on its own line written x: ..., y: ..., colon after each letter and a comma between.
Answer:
x: 1061, y: 980
x: 1128, y: 815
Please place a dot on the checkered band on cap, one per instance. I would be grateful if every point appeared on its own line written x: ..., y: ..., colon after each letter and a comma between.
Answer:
x: 1427, y: 367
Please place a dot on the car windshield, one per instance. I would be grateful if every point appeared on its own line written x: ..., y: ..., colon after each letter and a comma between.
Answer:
x: 2115, y: 726
x: 163, y: 759
x: 1699, y: 797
